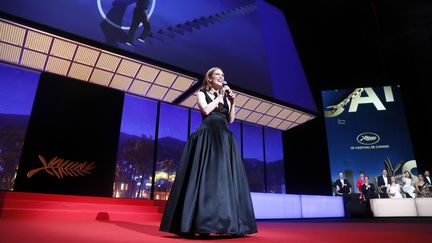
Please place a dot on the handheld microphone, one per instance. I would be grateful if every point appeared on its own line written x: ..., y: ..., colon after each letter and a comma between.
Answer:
x: 225, y: 85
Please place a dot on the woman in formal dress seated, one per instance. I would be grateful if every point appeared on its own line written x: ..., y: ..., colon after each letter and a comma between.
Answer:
x: 359, y: 184
x: 394, y: 189
x: 408, y: 185
x: 422, y: 187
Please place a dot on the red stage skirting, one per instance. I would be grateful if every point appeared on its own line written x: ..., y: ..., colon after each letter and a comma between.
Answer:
x: 32, y: 217
x: 67, y: 207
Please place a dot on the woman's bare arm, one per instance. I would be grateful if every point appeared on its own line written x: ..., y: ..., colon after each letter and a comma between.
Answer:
x: 232, y: 111
x: 204, y: 107
x: 231, y: 104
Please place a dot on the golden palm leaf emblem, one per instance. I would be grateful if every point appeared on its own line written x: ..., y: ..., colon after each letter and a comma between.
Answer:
x: 60, y: 168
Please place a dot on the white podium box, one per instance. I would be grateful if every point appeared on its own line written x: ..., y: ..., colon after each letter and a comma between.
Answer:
x: 424, y: 207
x: 386, y: 207
x: 294, y: 206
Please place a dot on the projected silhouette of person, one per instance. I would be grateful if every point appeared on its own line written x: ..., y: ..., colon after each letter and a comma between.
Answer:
x: 140, y: 15
x: 115, y: 15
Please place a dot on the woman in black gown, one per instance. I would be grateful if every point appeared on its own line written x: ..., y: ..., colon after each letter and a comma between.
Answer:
x: 210, y: 194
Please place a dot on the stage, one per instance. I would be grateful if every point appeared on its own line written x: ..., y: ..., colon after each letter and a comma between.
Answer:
x: 328, y: 230
x: 33, y: 217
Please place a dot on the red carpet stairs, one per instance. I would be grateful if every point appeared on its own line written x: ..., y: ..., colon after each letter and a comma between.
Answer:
x: 67, y: 207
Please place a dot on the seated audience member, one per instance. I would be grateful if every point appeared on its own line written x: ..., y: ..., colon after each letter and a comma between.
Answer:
x: 342, y: 187
x: 422, y: 187
x: 383, y: 183
x: 408, y: 185
x: 368, y: 189
x: 427, y: 177
x: 393, y: 190
x: 359, y: 184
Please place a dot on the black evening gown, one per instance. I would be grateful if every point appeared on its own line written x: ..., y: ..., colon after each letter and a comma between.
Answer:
x: 210, y: 193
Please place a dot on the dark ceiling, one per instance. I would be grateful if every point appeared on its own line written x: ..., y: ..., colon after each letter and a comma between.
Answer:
x: 358, y: 43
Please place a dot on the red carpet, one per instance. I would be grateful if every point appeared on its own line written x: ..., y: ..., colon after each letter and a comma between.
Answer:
x: 32, y: 217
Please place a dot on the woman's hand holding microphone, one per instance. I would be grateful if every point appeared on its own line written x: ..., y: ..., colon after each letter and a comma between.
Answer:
x: 228, y: 92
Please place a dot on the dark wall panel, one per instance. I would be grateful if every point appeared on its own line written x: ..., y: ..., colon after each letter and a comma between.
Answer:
x: 306, y: 159
x: 78, y: 123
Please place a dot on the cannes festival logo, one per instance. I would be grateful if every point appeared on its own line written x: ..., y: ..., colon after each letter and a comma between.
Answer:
x: 368, y: 138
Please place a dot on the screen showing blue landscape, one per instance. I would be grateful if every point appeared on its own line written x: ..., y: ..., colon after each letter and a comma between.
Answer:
x: 172, y: 137
x: 253, y: 156
x: 275, y: 165
x: 249, y: 39
x: 195, y: 120
x: 135, y: 157
x: 235, y: 128
x: 17, y: 92
x: 136, y: 148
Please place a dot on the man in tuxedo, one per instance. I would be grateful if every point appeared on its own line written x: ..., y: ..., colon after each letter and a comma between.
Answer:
x: 368, y: 189
x: 342, y: 187
x: 383, y: 183
x: 427, y: 177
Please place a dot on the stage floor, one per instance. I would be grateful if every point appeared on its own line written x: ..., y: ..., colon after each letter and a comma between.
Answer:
x: 320, y: 230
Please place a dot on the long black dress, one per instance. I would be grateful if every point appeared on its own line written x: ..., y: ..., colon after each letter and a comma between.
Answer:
x: 210, y: 193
